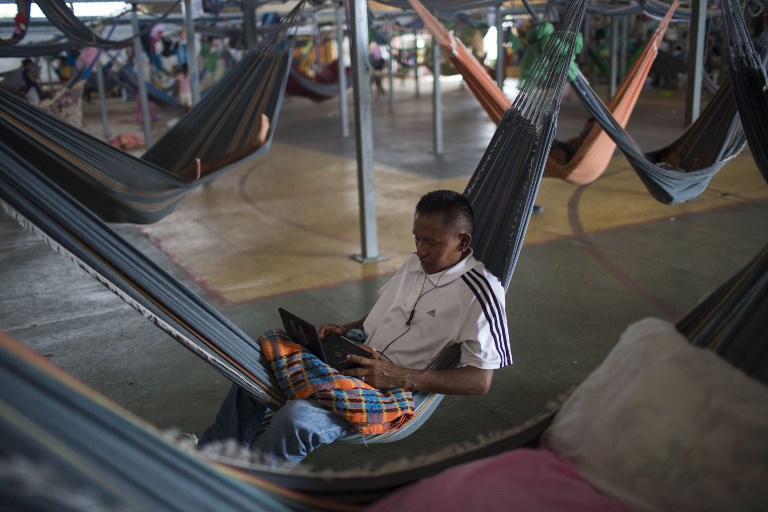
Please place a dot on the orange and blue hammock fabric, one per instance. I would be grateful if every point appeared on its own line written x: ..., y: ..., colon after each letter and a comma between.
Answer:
x: 302, y: 375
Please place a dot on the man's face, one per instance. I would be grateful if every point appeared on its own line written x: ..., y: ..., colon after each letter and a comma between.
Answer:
x: 438, y: 246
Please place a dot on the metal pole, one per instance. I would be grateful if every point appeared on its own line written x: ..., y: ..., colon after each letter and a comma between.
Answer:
x: 249, y: 23
x: 364, y: 131
x: 343, y: 111
x: 50, y: 78
x: 138, y: 63
x: 584, y: 51
x: 500, y: 71
x: 189, y: 29
x: 612, y: 81
x: 695, y: 61
x: 102, y: 100
x: 416, y: 66
x: 316, y: 37
x: 623, y: 49
x: 403, y: 58
x: 437, y: 101
x: 390, y: 74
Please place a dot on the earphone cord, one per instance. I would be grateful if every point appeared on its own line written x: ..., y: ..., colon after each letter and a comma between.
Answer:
x: 413, y: 310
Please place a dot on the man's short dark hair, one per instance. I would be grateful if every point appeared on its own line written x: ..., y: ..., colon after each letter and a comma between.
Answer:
x: 452, y: 207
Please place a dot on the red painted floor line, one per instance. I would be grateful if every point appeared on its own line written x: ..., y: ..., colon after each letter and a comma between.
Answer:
x: 611, y: 267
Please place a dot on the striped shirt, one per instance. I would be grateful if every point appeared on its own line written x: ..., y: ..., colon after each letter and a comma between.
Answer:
x: 418, y: 315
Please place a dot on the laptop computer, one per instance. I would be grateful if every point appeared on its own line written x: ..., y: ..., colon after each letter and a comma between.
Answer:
x: 332, y: 350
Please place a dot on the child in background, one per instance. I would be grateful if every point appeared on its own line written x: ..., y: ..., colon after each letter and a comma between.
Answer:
x: 184, y: 88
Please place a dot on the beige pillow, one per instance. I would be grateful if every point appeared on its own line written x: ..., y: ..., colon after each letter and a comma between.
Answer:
x: 664, y: 425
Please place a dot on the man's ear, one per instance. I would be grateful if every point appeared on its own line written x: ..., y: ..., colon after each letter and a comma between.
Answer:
x: 466, y: 240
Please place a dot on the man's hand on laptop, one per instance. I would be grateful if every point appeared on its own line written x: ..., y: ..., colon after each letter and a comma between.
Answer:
x: 327, y: 329
x: 377, y: 371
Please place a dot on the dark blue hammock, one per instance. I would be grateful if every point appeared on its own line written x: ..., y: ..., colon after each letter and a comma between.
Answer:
x: 682, y: 170
x: 60, y: 436
x: 750, y: 82
x: 31, y: 194
x: 502, y: 201
x: 218, y: 133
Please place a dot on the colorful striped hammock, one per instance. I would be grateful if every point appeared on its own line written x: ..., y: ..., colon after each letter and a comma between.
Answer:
x: 33, y: 197
x: 63, y: 440
x: 72, y: 229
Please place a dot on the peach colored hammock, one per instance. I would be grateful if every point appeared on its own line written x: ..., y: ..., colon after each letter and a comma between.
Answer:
x: 593, y: 155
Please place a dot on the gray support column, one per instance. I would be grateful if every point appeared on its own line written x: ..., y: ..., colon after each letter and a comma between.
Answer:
x: 402, y: 52
x: 500, y: 71
x: 390, y: 74
x: 585, y: 30
x: 364, y: 131
x: 437, y: 101
x: 343, y: 111
x: 50, y: 78
x: 695, y: 61
x: 102, y: 101
x: 138, y: 63
x: 623, y: 47
x: 612, y: 80
x: 189, y: 30
x: 416, y: 67
x: 316, y: 37
x: 249, y: 23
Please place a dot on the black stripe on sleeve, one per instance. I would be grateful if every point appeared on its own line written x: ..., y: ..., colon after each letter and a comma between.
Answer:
x: 493, y: 311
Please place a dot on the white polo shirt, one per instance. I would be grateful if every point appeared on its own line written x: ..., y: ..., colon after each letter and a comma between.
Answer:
x: 464, y: 304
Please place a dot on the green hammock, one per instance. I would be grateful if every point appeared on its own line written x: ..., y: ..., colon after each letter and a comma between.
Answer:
x: 215, y: 135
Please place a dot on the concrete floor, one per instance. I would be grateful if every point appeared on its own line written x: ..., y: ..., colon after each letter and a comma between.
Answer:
x: 278, y: 232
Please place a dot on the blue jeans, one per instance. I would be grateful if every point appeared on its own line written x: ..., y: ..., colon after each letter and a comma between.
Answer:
x: 296, y: 429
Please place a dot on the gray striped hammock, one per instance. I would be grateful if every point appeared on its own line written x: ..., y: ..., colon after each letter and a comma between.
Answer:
x: 60, y: 441
x: 217, y: 134
x: 750, y: 83
x: 75, y: 33
x: 682, y: 170
x: 82, y: 438
x: 502, y: 190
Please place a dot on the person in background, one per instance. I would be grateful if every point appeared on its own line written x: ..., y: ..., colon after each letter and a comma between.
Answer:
x: 184, y: 88
x: 31, y: 86
x: 64, y: 70
x: 378, y: 64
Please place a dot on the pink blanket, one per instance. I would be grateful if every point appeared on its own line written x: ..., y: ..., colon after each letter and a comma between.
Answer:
x: 523, y: 479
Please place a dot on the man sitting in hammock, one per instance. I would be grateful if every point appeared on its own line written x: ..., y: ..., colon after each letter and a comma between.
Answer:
x: 563, y: 151
x: 440, y: 297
